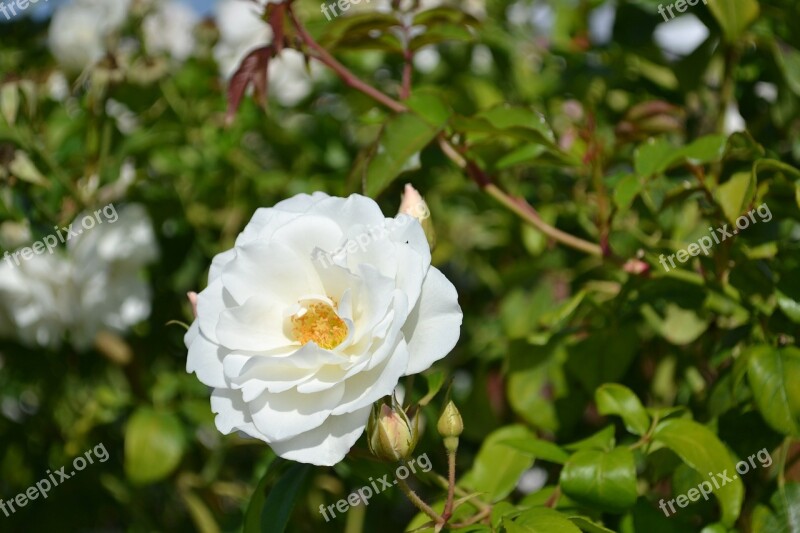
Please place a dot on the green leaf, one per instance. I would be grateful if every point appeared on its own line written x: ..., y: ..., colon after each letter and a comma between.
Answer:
x: 517, y: 122
x: 588, y: 526
x: 658, y: 155
x: 603, y: 357
x: 602, y: 440
x: 615, y: 399
x: 679, y: 326
x: 498, y: 466
x: 435, y: 381
x: 774, y: 375
x: 788, y: 60
x: 281, y: 499
x: 403, y: 137
x: 786, y: 518
x: 735, y: 195
x: 154, y: 444
x: 362, y: 31
x: 540, y: 520
x: 734, y: 16
x: 431, y: 107
x: 540, y: 449
x: 606, y: 480
x: 252, y: 517
x: 701, y: 450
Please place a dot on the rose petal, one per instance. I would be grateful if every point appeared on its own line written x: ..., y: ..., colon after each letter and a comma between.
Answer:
x: 434, y: 325
x: 327, y: 444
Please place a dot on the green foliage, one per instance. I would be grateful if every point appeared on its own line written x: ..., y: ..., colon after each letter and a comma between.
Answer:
x: 567, y: 177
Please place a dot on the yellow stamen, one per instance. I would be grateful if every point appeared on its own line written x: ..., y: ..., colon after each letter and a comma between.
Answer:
x: 319, y: 324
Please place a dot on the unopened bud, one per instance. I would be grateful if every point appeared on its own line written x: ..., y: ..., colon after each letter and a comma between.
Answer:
x: 392, y: 436
x: 413, y: 204
x: 450, y: 426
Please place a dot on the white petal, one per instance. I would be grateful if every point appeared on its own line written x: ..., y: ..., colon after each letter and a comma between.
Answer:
x: 255, y: 326
x: 232, y: 413
x: 280, y: 416
x: 219, y: 262
x: 211, y: 302
x: 434, y: 326
x: 363, y: 389
x: 205, y: 358
x: 272, y: 270
x: 327, y: 444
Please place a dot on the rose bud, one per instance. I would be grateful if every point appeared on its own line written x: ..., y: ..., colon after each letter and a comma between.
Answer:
x: 450, y: 426
x: 413, y: 204
x: 392, y: 436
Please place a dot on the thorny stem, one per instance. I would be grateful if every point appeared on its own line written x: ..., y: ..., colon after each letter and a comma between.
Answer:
x: 451, y: 489
x: 348, y: 77
x: 517, y: 205
x: 418, y: 503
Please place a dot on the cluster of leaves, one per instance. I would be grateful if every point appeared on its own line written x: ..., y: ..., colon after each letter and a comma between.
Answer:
x: 624, y: 385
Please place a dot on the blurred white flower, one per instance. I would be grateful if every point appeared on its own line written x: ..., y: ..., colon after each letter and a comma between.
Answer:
x: 241, y: 30
x: 681, y: 36
x: 734, y: 121
x: 601, y: 23
x: 767, y: 91
x: 78, y: 31
x: 170, y: 29
x: 35, y: 300
x: 93, y: 285
x: 297, y: 351
x: 427, y: 59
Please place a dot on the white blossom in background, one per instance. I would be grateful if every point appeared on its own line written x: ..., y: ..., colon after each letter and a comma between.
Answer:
x: 94, y: 283
x: 681, y: 36
x: 241, y: 30
x: 427, y: 59
x: 35, y: 300
x: 169, y: 29
x: 601, y: 23
x: 79, y: 29
x: 296, y: 348
x: 734, y: 121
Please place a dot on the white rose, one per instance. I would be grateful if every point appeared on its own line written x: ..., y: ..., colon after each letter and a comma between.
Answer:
x: 170, y: 29
x: 242, y: 30
x: 108, y: 259
x: 298, y: 343
x: 75, y: 37
x: 94, y: 285
x: 78, y: 31
x: 34, y: 299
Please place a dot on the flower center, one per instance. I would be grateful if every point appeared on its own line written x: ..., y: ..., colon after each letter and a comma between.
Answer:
x: 319, y: 323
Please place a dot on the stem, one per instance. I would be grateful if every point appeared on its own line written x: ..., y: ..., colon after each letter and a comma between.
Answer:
x: 474, y: 520
x: 451, y: 489
x: 515, y: 204
x: 418, y: 503
x: 784, y: 453
x: 552, y: 501
x: 462, y: 493
x: 348, y: 77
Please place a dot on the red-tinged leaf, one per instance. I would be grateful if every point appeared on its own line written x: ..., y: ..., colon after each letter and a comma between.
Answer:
x: 254, y: 69
x: 276, y: 18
